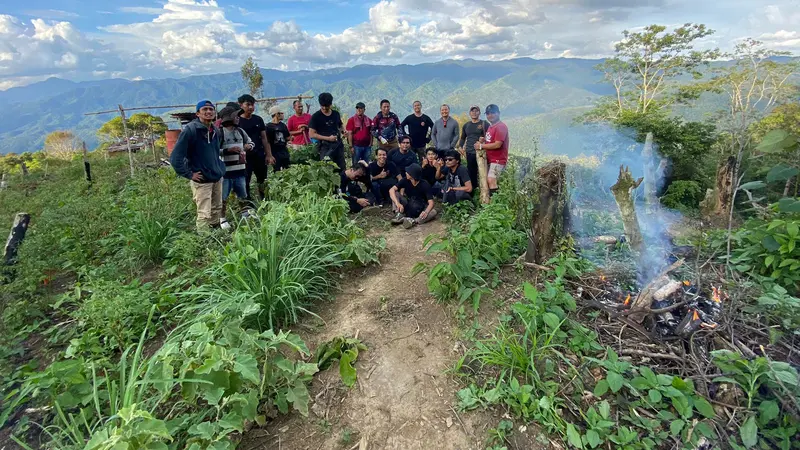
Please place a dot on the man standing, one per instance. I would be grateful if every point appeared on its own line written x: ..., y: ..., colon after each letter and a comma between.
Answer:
x: 386, y: 127
x: 412, y: 199
x: 326, y: 127
x: 261, y: 155
x: 496, y: 146
x: 196, y: 157
x: 278, y: 137
x: 471, y: 133
x: 457, y: 184
x: 358, y: 135
x: 418, y: 126
x: 403, y: 157
x: 445, y: 132
x: 298, y: 125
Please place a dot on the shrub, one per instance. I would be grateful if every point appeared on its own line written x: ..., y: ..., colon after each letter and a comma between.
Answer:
x: 304, y: 155
x: 318, y: 178
x: 683, y: 194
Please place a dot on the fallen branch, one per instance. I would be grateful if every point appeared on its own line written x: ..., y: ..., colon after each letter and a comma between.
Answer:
x: 633, y: 351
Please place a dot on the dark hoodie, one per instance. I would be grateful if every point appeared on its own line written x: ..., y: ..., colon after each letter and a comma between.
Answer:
x: 197, y: 150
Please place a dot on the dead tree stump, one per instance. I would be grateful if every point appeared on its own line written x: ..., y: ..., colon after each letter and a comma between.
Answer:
x: 483, y: 173
x: 623, y: 194
x: 547, y: 224
x: 650, y: 177
x: 718, y: 201
x: 18, y: 230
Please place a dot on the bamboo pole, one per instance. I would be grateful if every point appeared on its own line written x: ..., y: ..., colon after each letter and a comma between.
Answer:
x: 138, y: 108
x: 127, y: 138
x: 483, y: 172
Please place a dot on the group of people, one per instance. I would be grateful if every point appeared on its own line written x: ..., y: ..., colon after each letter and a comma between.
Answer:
x: 406, y: 163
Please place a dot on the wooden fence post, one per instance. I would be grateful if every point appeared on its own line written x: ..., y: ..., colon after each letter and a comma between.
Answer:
x: 16, y: 236
x: 127, y: 138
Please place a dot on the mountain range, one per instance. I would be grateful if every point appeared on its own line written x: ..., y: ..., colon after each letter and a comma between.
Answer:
x: 552, y: 89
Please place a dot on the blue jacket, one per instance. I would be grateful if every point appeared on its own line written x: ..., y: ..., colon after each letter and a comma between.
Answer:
x: 197, y: 150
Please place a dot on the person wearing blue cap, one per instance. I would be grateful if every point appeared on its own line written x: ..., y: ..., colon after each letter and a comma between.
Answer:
x: 196, y: 158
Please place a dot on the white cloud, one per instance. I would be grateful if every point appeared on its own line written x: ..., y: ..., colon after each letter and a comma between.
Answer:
x: 196, y: 36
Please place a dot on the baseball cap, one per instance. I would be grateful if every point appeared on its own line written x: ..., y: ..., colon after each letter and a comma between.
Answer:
x: 492, y: 109
x: 202, y: 103
x: 361, y: 105
x: 275, y: 110
x: 475, y: 107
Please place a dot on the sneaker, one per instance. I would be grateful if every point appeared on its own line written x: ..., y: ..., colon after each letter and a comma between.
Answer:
x: 398, y: 219
x: 224, y: 224
x: 408, y: 222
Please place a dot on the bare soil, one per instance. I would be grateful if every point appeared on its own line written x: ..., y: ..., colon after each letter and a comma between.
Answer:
x: 404, y: 398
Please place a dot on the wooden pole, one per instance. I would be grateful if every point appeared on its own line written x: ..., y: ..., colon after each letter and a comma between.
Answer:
x: 86, y: 167
x: 18, y: 230
x: 650, y: 178
x: 483, y: 172
x: 127, y: 138
x: 623, y: 195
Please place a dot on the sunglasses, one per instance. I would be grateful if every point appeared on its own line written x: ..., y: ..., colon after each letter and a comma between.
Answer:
x: 449, y: 159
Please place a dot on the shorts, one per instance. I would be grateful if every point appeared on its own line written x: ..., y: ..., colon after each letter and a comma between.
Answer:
x: 495, y: 170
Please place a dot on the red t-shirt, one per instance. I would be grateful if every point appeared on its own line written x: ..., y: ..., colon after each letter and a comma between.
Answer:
x: 497, y: 132
x: 360, y: 130
x: 294, y: 123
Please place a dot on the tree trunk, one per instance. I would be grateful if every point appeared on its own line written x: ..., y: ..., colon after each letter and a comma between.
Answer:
x: 787, y: 188
x: 623, y: 194
x: 483, y: 172
x: 24, y: 168
x: 87, y: 168
x: 16, y: 236
x: 3, y: 182
x: 718, y: 201
x: 547, y: 224
x: 650, y: 177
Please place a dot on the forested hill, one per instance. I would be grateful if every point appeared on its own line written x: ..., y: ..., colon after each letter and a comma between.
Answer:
x: 522, y: 87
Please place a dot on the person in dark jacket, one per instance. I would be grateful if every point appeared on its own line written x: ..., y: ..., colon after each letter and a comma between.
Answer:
x: 386, y: 127
x: 196, y: 158
x: 403, y: 157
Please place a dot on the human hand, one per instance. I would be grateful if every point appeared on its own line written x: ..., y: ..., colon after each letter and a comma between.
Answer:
x: 423, y: 215
x: 383, y: 140
x: 400, y: 208
x: 236, y: 149
x: 463, y: 152
x: 270, y: 160
x: 450, y: 189
x: 198, y: 177
x: 477, y: 145
x: 363, y: 202
x: 482, y: 139
x: 302, y: 127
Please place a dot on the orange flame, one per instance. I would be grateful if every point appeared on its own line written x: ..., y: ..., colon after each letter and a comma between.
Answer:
x: 627, y: 300
x: 716, y: 296
x: 695, y: 316
x: 602, y: 278
x: 687, y: 283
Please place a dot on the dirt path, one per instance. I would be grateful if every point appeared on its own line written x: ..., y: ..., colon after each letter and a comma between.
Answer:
x: 403, y: 399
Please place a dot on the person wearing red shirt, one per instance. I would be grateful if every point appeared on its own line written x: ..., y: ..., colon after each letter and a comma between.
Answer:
x: 496, y: 145
x: 298, y: 125
x: 358, y: 134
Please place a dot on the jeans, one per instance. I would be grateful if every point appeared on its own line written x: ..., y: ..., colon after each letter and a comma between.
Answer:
x: 334, y: 151
x: 237, y: 185
x: 453, y: 197
x: 361, y: 154
x: 208, y: 198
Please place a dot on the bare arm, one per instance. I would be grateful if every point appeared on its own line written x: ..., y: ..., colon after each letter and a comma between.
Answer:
x: 312, y: 133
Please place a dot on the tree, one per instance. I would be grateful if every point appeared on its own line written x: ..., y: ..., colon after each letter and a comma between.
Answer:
x: 251, y: 75
x: 61, y: 145
x: 142, y: 125
x: 644, y: 65
x: 778, y: 135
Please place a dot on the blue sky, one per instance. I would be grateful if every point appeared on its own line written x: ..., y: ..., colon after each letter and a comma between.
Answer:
x: 91, y: 39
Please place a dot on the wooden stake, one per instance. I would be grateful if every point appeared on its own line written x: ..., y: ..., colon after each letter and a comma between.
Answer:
x: 483, y: 173
x: 623, y: 195
x: 127, y: 138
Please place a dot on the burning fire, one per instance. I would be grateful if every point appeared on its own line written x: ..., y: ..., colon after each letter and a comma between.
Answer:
x: 602, y: 278
x: 717, y: 294
x: 687, y: 283
x: 627, y: 300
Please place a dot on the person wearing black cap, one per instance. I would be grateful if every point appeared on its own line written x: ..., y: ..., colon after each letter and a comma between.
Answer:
x: 235, y: 144
x: 196, y: 157
x: 358, y: 135
x: 496, y: 146
x: 326, y: 127
x: 472, y: 132
x: 412, y: 199
x: 457, y: 183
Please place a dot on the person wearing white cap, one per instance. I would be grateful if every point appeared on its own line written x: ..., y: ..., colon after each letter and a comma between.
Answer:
x: 278, y: 137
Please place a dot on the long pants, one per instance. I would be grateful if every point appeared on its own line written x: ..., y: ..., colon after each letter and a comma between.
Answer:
x: 453, y: 197
x: 208, y: 198
x: 237, y: 185
x: 413, y: 209
x: 256, y: 164
x: 282, y: 161
x: 389, y: 146
x: 381, y: 189
x: 472, y: 168
x: 334, y: 151
x: 361, y: 154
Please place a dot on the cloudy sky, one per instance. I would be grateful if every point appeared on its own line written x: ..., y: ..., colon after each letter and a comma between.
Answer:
x: 89, y: 39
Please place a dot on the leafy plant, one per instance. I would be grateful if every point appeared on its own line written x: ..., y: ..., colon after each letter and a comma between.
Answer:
x: 318, y: 178
x: 683, y: 194
x: 345, y: 350
x: 304, y: 155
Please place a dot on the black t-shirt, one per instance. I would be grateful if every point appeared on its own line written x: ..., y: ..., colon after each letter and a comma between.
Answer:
x: 417, y: 129
x: 429, y: 174
x: 375, y: 169
x: 457, y: 179
x: 326, y: 125
x: 419, y: 193
x: 471, y: 132
x: 278, y: 136
x: 253, y: 127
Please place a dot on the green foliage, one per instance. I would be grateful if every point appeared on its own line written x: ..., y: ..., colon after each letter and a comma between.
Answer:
x: 317, y: 178
x: 683, y: 194
x: 306, y: 154
x: 345, y: 350
x: 251, y: 74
